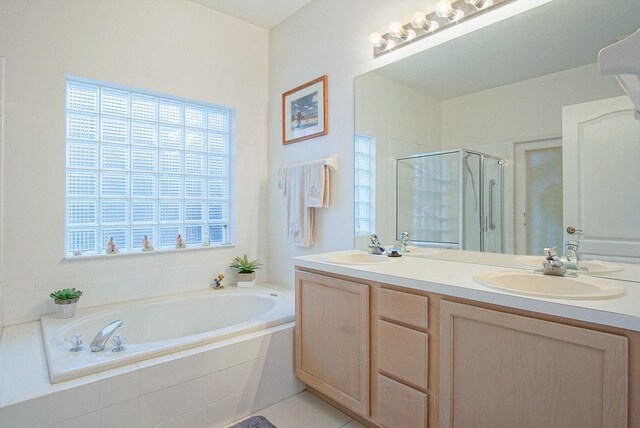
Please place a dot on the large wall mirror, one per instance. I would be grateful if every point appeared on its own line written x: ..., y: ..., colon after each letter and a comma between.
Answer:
x: 504, y: 141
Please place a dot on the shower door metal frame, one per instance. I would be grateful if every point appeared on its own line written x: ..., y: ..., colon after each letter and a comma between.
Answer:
x: 481, y: 198
x: 483, y: 225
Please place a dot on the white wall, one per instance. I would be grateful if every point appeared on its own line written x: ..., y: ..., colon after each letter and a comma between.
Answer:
x: 169, y: 46
x: 525, y: 110
x: 330, y: 37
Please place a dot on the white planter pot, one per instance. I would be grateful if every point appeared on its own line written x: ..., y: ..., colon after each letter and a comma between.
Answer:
x: 246, y: 280
x: 66, y: 308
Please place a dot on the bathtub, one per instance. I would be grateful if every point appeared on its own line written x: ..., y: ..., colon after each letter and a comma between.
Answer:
x: 160, y: 326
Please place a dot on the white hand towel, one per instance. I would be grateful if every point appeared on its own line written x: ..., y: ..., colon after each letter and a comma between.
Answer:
x: 299, y: 217
x: 282, y: 179
x: 317, y: 185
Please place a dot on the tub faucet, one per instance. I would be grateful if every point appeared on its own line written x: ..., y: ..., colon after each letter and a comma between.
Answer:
x: 100, y: 341
x: 375, y: 246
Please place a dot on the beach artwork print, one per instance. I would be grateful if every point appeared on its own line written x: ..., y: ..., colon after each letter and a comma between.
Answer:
x: 304, y: 111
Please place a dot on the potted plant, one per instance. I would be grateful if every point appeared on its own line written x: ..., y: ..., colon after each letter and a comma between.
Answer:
x: 246, y: 270
x: 66, y: 301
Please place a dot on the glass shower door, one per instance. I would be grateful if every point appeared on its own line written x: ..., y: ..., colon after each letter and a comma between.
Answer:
x: 428, y: 198
x: 472, y: 210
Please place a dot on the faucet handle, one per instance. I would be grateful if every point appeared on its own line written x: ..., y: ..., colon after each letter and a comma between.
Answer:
x: 550, y: 252
x: 118, y: 343
x: 77, y: 343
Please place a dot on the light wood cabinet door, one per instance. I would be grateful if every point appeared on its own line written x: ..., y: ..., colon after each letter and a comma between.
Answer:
x: 504, y: 370
x: 332, y: 338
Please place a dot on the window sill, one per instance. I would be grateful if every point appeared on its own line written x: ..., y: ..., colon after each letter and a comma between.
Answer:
x: 146, y: 253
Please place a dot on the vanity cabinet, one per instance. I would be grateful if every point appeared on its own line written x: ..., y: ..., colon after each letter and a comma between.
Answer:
x: 332, y: 338
x: 504, y: 370
x: 402, y: 358
x: 400, y: 377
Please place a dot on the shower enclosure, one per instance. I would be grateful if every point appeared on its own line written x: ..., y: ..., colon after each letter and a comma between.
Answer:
x: 451, y: 199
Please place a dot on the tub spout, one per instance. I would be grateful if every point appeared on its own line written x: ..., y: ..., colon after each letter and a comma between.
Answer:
x: 100, y: 341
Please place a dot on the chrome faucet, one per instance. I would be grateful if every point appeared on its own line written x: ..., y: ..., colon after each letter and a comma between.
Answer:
x: 571, y: 258
x: 375, y: 246
x: 100, y: 341
x: 553, y: 265
x: 404, y: 242
x: 400, y: 246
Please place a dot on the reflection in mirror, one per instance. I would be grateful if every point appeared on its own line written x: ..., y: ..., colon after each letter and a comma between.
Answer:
x: 451, y: 199
x: 503, y: 140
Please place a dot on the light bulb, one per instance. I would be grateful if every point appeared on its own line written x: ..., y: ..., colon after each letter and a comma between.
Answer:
x: 377, y: 40
x: 480, y: 4
x: 444, y: 9
x: 419, y: 20
x: 397, y: 30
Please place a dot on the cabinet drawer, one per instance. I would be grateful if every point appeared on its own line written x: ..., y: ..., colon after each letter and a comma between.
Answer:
x: 403, y: 353
x: 400, y: 406
x: 403, y: 307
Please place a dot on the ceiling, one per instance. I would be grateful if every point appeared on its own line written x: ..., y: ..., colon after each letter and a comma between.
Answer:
x: 263, y: 13
x: 556, y: 36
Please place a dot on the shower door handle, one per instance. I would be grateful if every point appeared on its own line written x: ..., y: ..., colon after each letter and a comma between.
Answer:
x: 492, y: 184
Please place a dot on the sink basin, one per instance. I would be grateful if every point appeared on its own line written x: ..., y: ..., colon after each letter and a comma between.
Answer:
x: 358, y: 259
x: 595, y: 267
x: 556, y: 287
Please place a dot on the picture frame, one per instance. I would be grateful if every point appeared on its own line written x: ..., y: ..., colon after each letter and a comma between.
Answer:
x: 305, y: 111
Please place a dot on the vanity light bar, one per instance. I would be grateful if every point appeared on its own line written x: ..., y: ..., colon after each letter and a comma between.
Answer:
x: 446, y: 13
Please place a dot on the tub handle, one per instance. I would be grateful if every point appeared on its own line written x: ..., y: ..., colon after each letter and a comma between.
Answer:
x: 77, y: 343
x: 118, y: 343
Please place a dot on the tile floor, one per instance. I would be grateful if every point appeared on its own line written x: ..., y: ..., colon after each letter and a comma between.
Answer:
x: 305, y: 409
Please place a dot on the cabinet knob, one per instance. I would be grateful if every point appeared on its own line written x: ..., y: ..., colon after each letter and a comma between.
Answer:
x: 571, y: 230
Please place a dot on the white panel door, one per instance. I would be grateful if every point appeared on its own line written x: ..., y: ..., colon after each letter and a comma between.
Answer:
x: 601, y: 178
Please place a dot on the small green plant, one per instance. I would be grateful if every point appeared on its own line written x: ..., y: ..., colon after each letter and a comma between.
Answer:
x: 244, y: 265
x: 66, y: 294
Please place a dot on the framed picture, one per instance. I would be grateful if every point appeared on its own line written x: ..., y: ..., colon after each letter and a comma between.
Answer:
x: 305, y: 111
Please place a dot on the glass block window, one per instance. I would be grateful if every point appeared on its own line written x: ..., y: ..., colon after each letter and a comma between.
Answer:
x: 142, y: 164
x: 364, y: 170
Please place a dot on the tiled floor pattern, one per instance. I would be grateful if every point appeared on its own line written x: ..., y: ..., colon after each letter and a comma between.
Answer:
x: 304, y: 410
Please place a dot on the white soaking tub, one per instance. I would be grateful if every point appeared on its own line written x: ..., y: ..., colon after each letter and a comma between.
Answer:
x: 161, y: 326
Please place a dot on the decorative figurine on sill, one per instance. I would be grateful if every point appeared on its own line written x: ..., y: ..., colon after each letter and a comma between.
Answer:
x: 206, y: 242
x: 146, y: 244
x: 217, y: 282
x: 180, y: 242
x: 112, y: 247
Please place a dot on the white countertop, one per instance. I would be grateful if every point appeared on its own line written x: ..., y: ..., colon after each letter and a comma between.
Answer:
x: 456, y: 279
